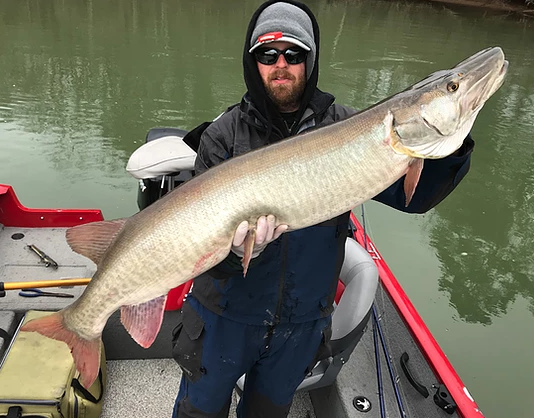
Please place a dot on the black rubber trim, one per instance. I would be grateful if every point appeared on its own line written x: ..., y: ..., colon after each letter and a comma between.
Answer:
x: 88, y: 395
x: 5, y: 336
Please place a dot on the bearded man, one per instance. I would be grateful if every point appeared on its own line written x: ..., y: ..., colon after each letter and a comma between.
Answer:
x: 270, y: 324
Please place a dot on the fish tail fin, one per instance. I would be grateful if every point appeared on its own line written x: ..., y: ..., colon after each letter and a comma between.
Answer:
x: 86, y: 353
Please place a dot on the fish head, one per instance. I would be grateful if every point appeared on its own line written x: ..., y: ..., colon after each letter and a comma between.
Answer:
x: 433, y: 117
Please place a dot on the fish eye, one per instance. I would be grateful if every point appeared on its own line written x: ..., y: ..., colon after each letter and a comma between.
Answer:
x: 452, y: 86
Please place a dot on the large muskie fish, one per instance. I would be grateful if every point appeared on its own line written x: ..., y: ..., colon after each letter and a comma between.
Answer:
x: 303, y: 180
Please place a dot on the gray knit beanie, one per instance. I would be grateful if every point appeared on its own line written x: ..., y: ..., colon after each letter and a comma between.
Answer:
x: 285, y: 22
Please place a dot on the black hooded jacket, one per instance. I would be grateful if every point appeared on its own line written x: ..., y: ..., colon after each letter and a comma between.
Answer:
x: 256, y: 90
x: 295, y: 278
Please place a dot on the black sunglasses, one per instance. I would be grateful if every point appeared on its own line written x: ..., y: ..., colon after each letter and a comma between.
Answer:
x: 269, y: 56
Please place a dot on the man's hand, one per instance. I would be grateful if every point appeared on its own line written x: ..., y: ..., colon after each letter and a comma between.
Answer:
x: 248, y: 244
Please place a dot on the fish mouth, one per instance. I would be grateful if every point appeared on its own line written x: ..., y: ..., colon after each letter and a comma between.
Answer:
x: 504, y: 68
x: 484, y: 74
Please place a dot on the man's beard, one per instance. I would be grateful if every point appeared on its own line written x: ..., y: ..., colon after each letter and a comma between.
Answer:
x: 286, y: 97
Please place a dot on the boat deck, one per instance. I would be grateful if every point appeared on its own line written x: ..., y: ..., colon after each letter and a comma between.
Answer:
x: 153, y: 384
x: 18, y: 263
x: 145, y: 382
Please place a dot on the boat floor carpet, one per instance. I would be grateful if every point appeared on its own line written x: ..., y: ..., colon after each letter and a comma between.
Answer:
x: 148, y: 388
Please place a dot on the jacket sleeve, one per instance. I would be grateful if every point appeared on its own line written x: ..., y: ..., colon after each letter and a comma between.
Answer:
x: 343, y: 112
x: 212, y: 149
x: 438, y: 179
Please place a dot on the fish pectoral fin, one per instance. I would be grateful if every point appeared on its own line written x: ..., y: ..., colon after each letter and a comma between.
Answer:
x: 93, y: 239
x: 412, y: 178
x: 248, y: 248
x: 85, y: 353
x: 143, y: 321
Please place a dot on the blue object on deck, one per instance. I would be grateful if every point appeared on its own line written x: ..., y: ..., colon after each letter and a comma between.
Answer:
x: 34, y: 293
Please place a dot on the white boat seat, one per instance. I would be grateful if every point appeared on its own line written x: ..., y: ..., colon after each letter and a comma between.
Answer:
x: 167, y: 155
x: 162, y: 163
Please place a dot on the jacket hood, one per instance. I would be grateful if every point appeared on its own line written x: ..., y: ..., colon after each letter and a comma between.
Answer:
x: 256, y: 91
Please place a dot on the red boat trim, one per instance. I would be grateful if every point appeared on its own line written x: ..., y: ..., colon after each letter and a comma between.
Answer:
x: 466, y: 406
x: 13, y: 213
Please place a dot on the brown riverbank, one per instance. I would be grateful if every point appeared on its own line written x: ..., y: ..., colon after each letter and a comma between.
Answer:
x: 512, y: 6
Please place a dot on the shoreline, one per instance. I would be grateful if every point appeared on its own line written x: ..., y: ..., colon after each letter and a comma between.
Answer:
x: 497, y: 5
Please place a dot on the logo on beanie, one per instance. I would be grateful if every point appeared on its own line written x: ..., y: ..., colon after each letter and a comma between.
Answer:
x: 269, y: 37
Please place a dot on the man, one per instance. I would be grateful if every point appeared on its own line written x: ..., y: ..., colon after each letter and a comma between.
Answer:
x: 271, y: 323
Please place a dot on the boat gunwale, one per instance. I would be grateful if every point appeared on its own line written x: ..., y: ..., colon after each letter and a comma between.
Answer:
x: 13, y: 213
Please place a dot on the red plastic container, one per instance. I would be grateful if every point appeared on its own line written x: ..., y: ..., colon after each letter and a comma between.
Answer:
x: 176, y: 296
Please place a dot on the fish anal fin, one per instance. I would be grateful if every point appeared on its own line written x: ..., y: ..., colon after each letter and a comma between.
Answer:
x: 248, y: 247
x: 412, y: 178
x: 143, y: 321
x: 85, y: 353
x: 93, y: 239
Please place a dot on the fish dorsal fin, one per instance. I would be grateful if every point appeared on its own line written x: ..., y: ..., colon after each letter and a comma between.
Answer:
x: 93, y: 239
x: 412, y: 178
x: 143, y: 321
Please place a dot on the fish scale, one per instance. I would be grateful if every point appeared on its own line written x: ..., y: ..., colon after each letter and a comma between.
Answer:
x: 304, y: 180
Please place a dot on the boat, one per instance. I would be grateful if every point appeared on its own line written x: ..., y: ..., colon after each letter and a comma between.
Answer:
x: 384, y: 361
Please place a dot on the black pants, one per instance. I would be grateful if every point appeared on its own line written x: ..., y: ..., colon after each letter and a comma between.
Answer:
x: 214, y: 352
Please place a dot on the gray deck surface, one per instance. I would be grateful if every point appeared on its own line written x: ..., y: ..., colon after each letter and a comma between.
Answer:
x: 359, y: 376
x: 147, y: 388
x: 144, y: 383
x: 18, y: 263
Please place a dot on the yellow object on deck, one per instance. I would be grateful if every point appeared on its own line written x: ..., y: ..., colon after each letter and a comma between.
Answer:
x: 46, y: 283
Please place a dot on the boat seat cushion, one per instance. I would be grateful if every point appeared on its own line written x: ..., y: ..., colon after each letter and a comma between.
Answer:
x: 359, y: 274
x: 164, y: 156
